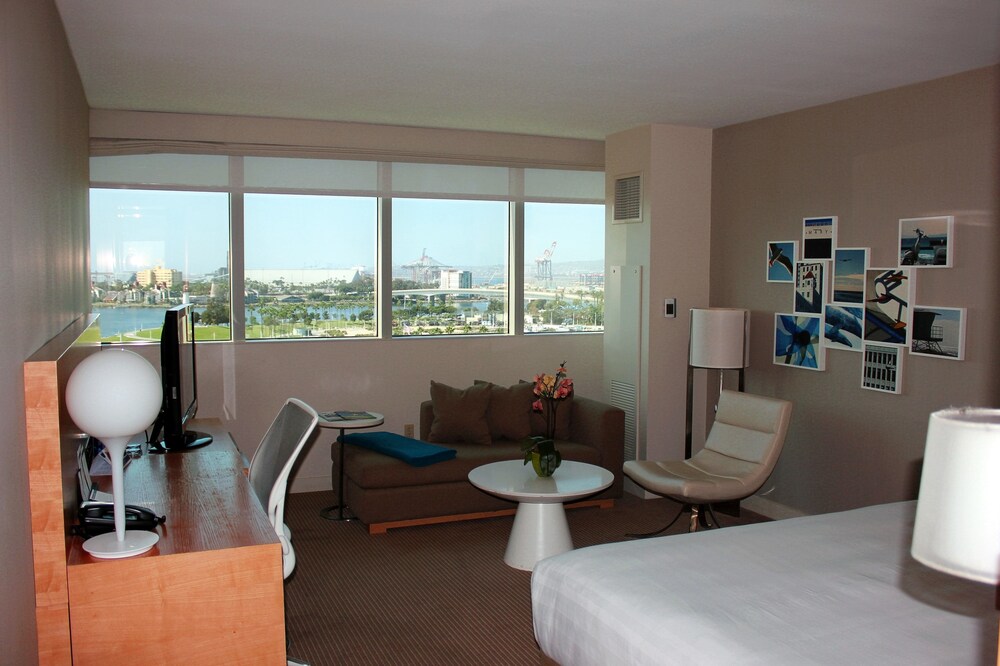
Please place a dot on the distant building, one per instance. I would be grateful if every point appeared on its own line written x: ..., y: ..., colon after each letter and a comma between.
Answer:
x: 303, y: 275
x: 159, y: 275
x: 455, y: 279
x: 591, y: 279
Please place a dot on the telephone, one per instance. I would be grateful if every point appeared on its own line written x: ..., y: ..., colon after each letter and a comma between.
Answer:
x: 100, y: 518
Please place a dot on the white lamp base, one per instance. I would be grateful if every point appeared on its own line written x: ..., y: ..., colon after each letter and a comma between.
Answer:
x: 107, y: 546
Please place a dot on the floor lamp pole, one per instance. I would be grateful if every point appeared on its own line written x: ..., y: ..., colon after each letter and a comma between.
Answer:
x: 689, y: 420
x: 718, y: 339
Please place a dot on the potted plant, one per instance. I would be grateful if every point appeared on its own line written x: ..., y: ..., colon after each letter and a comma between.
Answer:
x: 540, y: 450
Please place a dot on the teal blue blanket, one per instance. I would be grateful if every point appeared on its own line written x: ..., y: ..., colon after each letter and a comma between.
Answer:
x: 411, y: 451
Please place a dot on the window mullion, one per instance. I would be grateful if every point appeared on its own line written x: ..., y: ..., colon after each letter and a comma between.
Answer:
x: 237, y: 265
x: 515, y: 277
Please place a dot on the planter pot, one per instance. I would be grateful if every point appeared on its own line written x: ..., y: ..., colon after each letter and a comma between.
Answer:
x: 544, y: 464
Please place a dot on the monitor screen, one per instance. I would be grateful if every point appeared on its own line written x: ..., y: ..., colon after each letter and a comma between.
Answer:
x: 178, y: 369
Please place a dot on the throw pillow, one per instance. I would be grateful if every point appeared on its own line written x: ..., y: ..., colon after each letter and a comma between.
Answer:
x: 459, y: 415
x: 509, y: 413
x: 562, y: 415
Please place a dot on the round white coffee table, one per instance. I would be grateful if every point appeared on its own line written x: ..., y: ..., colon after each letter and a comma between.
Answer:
x: 540, y: 529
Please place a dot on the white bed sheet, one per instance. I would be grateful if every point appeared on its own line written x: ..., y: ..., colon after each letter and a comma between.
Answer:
x: 838, y: 588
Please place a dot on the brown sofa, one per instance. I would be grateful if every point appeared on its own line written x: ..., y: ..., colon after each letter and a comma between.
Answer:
x: 386, y: 492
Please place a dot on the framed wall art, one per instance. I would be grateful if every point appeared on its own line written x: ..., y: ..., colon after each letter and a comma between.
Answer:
x: 819, y: 237
x: 849, y: 265
x: 781, y: 257
x: 843, y: 327
x: 882, y: 368
x: 938, y: 332
x: 887, y: 305
x: 798, y: 341
x: 926, y: 242
x: 810, y: 286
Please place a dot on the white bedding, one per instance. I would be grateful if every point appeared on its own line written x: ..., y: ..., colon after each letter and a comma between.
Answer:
x: 833, y: 589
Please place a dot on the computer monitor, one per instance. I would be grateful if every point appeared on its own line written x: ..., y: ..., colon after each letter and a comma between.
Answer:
x: 180, y: 384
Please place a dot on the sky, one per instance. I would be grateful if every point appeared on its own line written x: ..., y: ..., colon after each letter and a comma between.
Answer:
x: 136, y: 229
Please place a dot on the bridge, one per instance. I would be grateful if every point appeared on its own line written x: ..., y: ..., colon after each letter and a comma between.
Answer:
x: 491, y: 292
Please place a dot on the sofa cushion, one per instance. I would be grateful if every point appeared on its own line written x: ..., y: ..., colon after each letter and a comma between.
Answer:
x: 411, y: 451
x: 459, y: 414
x: 509, y: 411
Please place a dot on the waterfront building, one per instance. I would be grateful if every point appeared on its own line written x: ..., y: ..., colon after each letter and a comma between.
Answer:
x: 159, y: 275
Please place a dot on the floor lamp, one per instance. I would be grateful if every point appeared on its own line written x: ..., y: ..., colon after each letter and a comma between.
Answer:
x: 719, y: 340
x: 957, y: 528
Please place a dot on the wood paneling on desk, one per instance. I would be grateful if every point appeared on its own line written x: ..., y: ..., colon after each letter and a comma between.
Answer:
x: 209, y: 592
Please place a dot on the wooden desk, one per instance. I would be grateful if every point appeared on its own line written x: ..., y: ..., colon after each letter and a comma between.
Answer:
x: 210, y: 591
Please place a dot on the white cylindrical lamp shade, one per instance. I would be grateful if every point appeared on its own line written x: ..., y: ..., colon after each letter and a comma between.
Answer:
x: 957, y: 527
x: 720, y: 338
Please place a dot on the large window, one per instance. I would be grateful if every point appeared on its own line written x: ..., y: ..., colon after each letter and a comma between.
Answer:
x: 153, y: 249
x: 309, y: 266
x: 285, y: 247
x: 449, y: 273
x: 563, y: 267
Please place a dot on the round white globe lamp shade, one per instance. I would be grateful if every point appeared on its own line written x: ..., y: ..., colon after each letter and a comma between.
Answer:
x: 112, y: 395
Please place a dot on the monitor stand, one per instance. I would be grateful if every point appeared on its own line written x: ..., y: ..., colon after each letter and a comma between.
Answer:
x: 192, y: 440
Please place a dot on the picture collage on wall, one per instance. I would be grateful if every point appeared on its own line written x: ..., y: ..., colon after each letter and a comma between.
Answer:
x: 840, y: 302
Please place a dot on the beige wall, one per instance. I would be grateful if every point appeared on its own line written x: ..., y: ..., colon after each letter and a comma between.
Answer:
x: 245, y: 383
x: 670, y: 244
x: 43, y: 240
x: 928, y: 149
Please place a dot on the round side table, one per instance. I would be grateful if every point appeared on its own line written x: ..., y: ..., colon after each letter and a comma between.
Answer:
x: 540, y: 529
x: 331, y: 420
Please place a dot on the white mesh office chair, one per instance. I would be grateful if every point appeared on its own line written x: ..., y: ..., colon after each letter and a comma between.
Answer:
x: 740, y: 453
x: 272, y: 464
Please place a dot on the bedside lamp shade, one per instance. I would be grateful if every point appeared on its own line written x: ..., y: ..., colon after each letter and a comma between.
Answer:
x: 957, y: 527
x: 719, y: 338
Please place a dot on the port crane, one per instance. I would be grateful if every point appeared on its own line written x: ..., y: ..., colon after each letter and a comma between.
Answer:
x: 425, y: 268
x: 543, y: 264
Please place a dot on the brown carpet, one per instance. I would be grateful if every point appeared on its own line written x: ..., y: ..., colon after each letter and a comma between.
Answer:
x: 438, y: 594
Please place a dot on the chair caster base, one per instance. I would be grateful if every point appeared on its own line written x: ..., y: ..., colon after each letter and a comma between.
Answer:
x: 697, y: 518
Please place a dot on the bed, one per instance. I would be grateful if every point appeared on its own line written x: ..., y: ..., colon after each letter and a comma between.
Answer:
x: 832, y: 589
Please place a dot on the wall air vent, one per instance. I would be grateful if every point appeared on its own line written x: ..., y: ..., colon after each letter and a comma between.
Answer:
x: 628, y: 199
x: 623, y: 397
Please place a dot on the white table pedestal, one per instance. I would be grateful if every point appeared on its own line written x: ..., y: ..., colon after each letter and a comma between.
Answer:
x: 539, y: 531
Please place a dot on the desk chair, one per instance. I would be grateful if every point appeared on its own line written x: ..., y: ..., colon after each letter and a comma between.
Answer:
x: 740, y: 453
x: 271, y: 465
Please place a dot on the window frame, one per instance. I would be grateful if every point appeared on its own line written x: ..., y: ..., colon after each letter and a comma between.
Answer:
x: 384, y: 194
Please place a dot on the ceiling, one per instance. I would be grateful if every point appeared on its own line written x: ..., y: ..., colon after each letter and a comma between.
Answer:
x: 572, y: 68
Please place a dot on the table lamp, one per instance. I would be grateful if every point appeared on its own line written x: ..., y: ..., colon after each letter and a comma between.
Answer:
x: 112, y: 395
x: 719, y: 340
x: 957, y: 528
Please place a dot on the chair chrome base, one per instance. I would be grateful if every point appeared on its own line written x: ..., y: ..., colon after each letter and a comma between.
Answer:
x: 697, y: 518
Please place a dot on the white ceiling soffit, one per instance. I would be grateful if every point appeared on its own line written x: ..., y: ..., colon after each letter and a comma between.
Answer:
x: 573, y: 68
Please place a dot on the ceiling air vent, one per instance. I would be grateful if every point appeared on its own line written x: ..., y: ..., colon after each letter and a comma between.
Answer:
x: 628, y: 199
